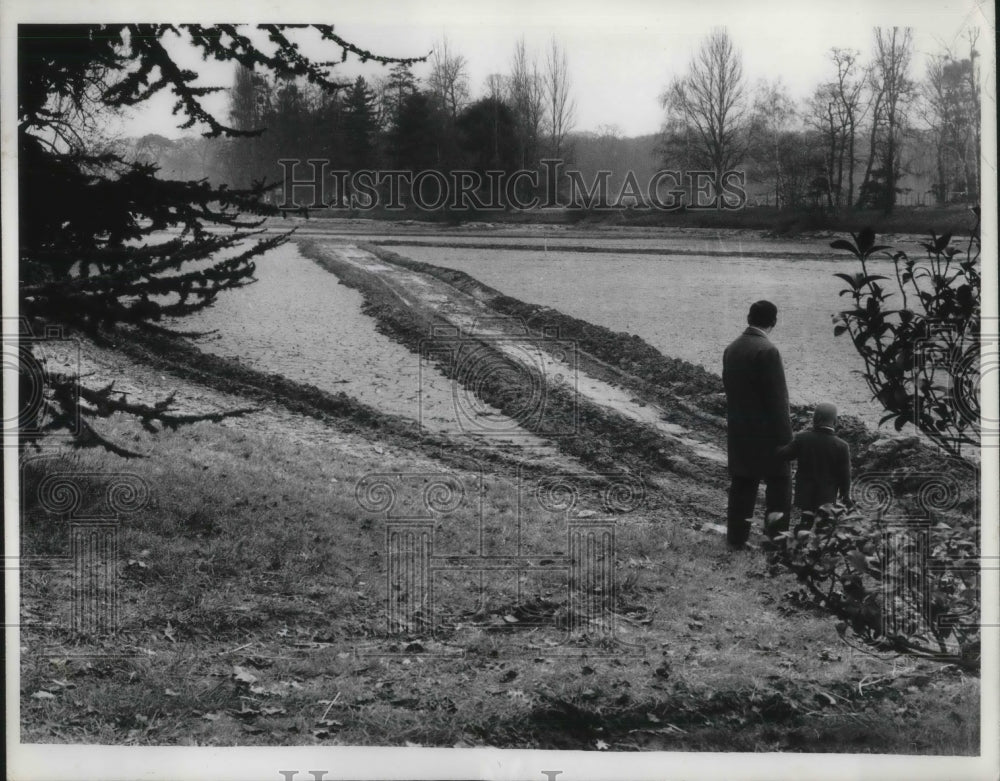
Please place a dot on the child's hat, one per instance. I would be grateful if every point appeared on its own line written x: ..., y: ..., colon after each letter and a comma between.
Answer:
x: 825, y: 415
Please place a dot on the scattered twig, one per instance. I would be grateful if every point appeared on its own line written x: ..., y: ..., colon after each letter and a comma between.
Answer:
x: 330, y: 704
x: 238, y: 648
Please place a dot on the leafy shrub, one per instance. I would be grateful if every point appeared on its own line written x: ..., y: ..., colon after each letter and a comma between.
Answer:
x: 905, y: 588
x: 921, y: 356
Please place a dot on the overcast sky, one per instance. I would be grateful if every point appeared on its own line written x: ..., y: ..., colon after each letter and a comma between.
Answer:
x: 621, y: 52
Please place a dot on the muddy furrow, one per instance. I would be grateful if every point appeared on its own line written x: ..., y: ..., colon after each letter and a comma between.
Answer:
x: 557, y: 362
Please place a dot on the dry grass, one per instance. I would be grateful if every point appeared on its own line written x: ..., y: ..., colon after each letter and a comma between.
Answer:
x: 252, y: 608
x: 253, y: 590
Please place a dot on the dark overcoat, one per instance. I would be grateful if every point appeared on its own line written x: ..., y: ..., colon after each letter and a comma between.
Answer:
x: 824, y: 470
x: 756, y: 406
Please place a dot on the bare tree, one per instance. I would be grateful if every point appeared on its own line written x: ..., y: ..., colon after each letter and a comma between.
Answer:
x: 773, y: 111
x: 526, y: 94
x: 610, y: 153
x: 934, y: 101
x: 496, y: 86
x: 951, y: 107
x: 891, y: 92
x: 847, y: 93
x: 973, y: 79
x: 711, y: 99
x: 836, y: 111
x: 561, y: 107
x: 449, y: 79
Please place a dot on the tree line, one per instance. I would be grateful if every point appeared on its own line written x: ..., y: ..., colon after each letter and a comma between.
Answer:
x: 867, y: 130
x: 400, y: 122
x: 847, y: 146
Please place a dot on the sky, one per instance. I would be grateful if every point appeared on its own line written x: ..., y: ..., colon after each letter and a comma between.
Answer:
x: 622, y: 53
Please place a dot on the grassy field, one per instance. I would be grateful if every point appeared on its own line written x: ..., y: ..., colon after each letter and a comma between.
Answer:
x: 253, y: 607
x: 254, y: 591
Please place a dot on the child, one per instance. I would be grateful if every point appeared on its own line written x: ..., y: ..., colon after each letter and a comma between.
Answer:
x: 824, y: 469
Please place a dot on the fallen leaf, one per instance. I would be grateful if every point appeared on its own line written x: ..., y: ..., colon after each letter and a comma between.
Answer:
x: 243, y: 675
x: 211, y: 716
x: 246, y: 712
x: 41, y: 695
x: 510, y: 619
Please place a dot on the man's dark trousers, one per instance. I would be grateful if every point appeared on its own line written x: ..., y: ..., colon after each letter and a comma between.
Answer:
x: 743, y: 499
x: 758, y: 424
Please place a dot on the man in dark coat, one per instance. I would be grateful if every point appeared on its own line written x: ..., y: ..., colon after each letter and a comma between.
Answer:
x: 759, y: 424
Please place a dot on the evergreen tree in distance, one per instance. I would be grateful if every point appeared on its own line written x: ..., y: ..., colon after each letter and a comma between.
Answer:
x: 360, y: 127
x: 91, y: 252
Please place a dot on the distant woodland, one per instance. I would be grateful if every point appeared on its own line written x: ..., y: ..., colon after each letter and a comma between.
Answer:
x: 869, y: 137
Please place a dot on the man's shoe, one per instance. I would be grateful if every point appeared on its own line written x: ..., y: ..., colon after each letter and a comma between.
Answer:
x: 737, y: 537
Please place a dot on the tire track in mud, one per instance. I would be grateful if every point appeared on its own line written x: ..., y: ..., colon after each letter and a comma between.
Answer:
x: 302, y: 340
x: 616, y: 430
x: 299, y: 322
x: 473, y: 319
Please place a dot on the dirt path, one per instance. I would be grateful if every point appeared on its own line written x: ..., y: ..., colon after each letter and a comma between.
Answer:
x: 558, y: 367
x: 298, y: 321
